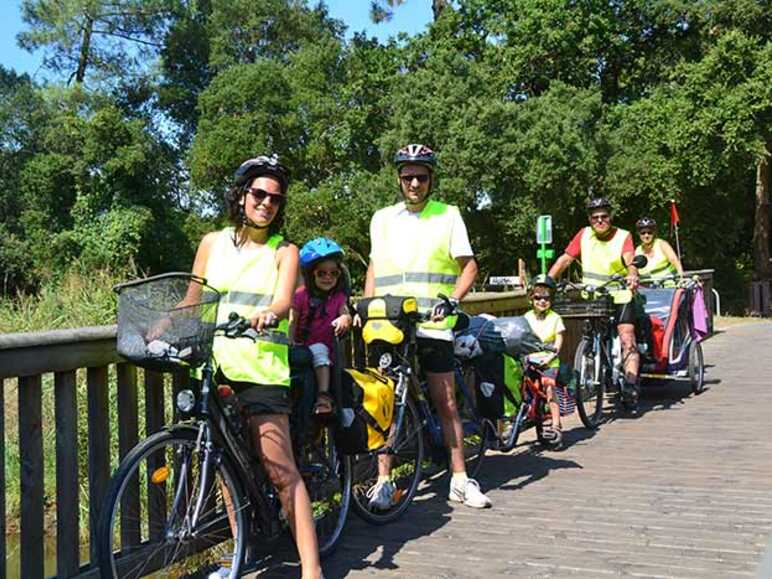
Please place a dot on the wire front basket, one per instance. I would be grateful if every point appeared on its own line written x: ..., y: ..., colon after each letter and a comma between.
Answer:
x: 572, y: 305
x: 166, y: 321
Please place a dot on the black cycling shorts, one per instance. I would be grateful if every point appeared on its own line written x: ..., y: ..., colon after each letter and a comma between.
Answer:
x: 625, y: 313
x: 435, y: 356
x: 259, y: 398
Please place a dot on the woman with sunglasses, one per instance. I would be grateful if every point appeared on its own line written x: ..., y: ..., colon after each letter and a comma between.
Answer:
x: 255, y: 270
x: 662, y: 259
x: 320, y: 310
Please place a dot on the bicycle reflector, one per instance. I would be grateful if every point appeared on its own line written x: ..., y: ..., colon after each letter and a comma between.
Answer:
x: 160, y: 475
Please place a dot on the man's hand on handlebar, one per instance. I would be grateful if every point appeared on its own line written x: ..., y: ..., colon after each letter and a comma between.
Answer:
x: 447, y: 307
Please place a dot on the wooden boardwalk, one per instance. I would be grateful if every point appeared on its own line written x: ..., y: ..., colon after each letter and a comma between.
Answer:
x: 685, y: 490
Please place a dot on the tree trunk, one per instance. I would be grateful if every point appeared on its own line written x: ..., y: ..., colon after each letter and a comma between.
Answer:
x: 761, y: 225
x: 438, y: 6
x: 85, y: 49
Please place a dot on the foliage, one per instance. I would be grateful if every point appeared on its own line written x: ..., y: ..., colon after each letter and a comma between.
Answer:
x: 532, y: 105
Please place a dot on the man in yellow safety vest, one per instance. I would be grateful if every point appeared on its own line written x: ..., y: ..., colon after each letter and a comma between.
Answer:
x: 420, y: 248
x: 605, y: 251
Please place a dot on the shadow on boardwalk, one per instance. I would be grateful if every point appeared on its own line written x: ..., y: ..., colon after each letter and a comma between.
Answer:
x: 366, y: 547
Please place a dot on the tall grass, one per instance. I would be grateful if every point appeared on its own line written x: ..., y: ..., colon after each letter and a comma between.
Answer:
x: 75, y: 299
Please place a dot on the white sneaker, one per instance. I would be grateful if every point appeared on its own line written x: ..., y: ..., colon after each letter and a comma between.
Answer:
x: 468, y: 493
x: 381, y: 496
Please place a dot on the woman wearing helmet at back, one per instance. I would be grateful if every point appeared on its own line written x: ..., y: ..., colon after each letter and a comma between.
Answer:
x: 662, y: 260
x: 320, y: 310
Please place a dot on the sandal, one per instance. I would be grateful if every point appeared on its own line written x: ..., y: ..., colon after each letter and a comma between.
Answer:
x: 324, y: 404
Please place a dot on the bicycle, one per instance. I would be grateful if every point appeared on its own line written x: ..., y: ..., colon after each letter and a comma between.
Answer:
x: 192, y: 496
x: 415, y: 426
x: 598, y: 360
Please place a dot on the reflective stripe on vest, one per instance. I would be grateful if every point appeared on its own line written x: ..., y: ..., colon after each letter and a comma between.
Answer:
x: 658, y: 265
x: 603, y: 259
x: 247, y: 279
x: 417, y: 265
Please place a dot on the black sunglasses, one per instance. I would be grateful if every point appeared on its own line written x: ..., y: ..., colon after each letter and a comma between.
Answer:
x: 261, y: 194
x: 407, y: 179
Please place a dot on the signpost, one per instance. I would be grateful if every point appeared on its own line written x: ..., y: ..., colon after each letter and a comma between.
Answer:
x: 544, y: 238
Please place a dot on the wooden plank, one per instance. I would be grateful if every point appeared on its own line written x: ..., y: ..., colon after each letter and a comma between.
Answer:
x: 31, y: 461
x: 128, y: 437
x: 154, y: 421
x: 34, y: 353
x: 67, y: 491
x: 98, y: 448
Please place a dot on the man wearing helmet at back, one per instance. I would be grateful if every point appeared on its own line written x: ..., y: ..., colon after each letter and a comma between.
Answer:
x: 420, y: 248
x: 604, y: 251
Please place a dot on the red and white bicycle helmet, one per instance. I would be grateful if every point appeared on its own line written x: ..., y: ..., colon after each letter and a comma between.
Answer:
x: 415, y: 154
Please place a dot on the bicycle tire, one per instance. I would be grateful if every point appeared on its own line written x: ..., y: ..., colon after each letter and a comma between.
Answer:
x: 409, y: 455
x: 591, y: 387
x: 139, y: 515
x: 327, y: 476
x: 696, y: 368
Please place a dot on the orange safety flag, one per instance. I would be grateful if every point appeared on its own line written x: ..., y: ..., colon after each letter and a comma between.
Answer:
x: 674, y: 218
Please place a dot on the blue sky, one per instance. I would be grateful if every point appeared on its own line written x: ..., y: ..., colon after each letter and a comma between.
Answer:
x: 411, y: 17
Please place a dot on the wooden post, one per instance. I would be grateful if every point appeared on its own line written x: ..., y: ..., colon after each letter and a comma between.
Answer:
x: 31, y: 461
x: 128, y: 437
x: 67, y: 491
x: 98, y: 448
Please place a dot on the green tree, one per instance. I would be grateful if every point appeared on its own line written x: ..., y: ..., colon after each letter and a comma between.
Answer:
x: 110, y: 37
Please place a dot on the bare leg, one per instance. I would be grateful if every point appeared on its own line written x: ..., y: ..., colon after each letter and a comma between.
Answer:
x: 442, y: 388
x: 554, y: 406
x: 271, y: 436
x: 629, y: 351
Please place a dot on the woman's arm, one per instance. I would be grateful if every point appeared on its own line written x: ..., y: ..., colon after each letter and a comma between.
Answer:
x: 667, y: 249
x: 287, y: 263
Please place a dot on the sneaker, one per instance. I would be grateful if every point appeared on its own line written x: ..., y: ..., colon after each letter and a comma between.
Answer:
x: 468, y: 493
x: 224, y: 570
x: 381, y: 496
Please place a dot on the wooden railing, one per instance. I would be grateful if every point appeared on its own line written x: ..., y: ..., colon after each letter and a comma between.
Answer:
x: 33, y: 358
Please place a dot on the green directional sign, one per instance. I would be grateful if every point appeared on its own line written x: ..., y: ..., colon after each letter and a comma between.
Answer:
x: 544, y: 238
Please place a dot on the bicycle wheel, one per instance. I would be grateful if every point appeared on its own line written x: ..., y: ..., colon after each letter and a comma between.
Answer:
x: 406, y: 468
x: 327, y: 476
x: 147, y: 525
x: 592, y: 384
x: 696, y: 367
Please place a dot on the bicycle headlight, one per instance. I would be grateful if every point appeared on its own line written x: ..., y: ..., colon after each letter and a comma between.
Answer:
x: 186, y: 401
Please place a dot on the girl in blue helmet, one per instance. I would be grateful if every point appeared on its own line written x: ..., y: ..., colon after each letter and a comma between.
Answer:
x: 320, y: 310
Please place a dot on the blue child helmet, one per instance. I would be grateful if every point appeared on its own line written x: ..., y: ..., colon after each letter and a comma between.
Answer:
x: 318, y: 249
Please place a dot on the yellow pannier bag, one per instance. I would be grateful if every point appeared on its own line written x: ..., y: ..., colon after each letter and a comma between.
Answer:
x: 367, y: 411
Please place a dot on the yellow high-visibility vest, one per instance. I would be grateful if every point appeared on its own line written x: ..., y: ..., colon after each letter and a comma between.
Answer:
x: 658, y: 265
x: 418, y: 265
x: 601, y: 259
x: 247, y: 280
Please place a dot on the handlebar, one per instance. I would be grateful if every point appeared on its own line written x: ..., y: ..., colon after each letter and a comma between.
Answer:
x: 239, y: 327
x: 601, y: 290
x: 680, y: 281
